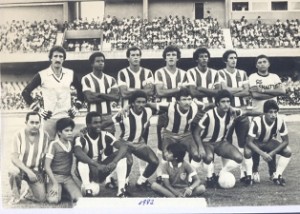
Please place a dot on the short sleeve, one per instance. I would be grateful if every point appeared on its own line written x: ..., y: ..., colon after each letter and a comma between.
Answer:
x: 158, y: 77
x: 283, y: 128
x: 121, y: 78
x: 109, y: 139
x: 116, y: 118
x: 190, y: 77
x: 253, y: 128
x: 204, y: 121
x: 164, y: 171
x: 51, y: 150
x: 113, y: 83
x: 79, y: 142
x: 86, y: 84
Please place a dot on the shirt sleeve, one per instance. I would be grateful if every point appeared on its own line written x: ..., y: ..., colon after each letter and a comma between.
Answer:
x: 121, y: 78
x: 51, y: 150
x: 16, y: 146
x: 116, y: 118
x: 26, y: 93
x: 204, y: 121
x: 253, y: 128
x: 164, y: 171
x: 86, y: 85
x: 190, y: 78
x: 114, y: 83
x: 283, y: 129
x: 158, y: 77
x: 79, y: 142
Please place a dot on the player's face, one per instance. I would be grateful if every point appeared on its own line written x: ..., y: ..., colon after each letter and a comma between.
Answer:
x: 99, y: 63
x: 66, y: 134
x: 33, y: 124
x: 262, y: 65
x: 169, y: 156
x: 95, y: 125
x: 139, y: 104
x: 203, y: 59
x: 57, y: 59
x: 185, y: 102
x: 271, y: 115
x: 224, y: 104
x: 134, y: 58
x: 231, y: 60
x: 171, y: 58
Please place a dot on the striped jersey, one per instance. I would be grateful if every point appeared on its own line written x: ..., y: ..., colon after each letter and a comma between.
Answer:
x: 169, y: 80
x: 97, y: 149
x: 133, y: 125
x: 235, y: 80
x: 205, y: 79
x: 178, y: 176
x: 271, y: 81
x: 31, y: 153
x: 178, y: 122
x: 214, y: 126
x: 62, y: 157
x: 263, y: 132
x: 99, y: 85
x: 136, y: 80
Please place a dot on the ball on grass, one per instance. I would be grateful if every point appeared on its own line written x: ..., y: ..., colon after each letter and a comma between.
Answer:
x: 226, y: 180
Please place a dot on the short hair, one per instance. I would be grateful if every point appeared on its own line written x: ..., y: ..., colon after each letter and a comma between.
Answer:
x: 57, y: 48
x: 227, y: 53
x: 183, y: 92
x: 90, y: 115
x: 270, y: 104
x: 171, y: 48
x: 223, y: 94
x: 262, y: 56
x: 134, y: 48
x: 137, y: 94
x: 199, y: 51
x: 94, y: 55
x: 63, y: 123
x: 32, y: 113
x: 178, y: 150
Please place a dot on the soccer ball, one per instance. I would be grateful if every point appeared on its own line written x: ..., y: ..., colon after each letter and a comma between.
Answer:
x: 226, y: 180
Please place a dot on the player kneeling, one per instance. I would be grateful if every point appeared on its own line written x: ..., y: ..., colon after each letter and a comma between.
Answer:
x: 263, y: 130
x: 176, y: 173
x: 96, y: 159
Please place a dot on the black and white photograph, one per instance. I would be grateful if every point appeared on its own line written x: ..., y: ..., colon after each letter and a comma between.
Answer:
x: 152, y: 106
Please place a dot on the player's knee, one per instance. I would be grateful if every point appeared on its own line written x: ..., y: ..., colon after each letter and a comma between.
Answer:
x: 238, y: 157
x: 155, y: 186
x: 247, y: 153
x: 14, y: 172
x: 53, y: 199
x: 199, y: 190
x: 287, y: 152
x: 41, y: 198
x: 154, y: 161
x: 208, y: 159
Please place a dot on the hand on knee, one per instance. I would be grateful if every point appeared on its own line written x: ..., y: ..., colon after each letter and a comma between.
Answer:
x: 53, y: 199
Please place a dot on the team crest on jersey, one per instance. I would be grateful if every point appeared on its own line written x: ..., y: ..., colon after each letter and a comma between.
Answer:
x: 183, y: 176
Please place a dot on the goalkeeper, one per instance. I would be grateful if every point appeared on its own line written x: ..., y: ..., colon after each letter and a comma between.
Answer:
x: 55, y: 82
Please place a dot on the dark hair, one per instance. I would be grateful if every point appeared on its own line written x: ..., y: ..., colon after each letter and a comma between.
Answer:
x: 32, y: 113
x: 90, y: 115
x: 178, y: 150
x: 94, y: 55
x: 227, y: 53
x: 199, y: 51
x: 134, y: 48
x: 183, y: 92
x: 262, y: 56
x: 137, y: 94
x: 171, y: 48
x: 222, y: 94
x: 63, y: 123
x: 270, y: 104
x: 58, y: 49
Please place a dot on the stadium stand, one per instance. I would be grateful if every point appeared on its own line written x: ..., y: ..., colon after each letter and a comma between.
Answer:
x: 281, y: 34
x: 24, y: 36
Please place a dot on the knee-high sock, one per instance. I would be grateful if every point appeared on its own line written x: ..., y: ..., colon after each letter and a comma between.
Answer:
x: 282, y: 164
x: 210, y: 169
x: 121, y: 170
x: 242, y: 165
x: 249, y: 165
x: 84, y: 172
x: 142, y: 166
x: 161, y: 161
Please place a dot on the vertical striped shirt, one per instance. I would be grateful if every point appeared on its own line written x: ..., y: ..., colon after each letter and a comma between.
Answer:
x: 214, y: 126
x: 31, y: 153
x: 205, y: 79
x: 99, y: 148
x: 133, y: 125
x: 169, y: 80
x: 136, y: 80
x: 99, y: 85
x: 263, y: 133
x: 235, y: 80
x: 178, y: 122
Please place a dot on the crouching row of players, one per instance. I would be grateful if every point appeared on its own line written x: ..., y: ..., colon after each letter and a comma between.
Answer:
x: 99, y: 155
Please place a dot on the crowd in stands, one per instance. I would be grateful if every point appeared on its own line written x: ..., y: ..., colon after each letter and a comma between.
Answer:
x: 281, y: 34
x: 25, y: 36
x: 82, y: 45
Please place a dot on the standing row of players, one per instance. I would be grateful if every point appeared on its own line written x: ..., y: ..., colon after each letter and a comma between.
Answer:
x: 201, y: 95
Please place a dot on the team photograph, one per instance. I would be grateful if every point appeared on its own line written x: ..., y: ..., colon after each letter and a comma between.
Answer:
x: 177, y: 105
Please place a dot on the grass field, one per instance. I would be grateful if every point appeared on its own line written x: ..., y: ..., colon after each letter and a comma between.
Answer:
x: 263, y: 194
